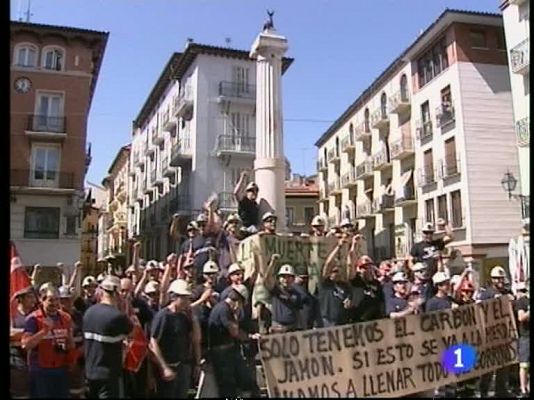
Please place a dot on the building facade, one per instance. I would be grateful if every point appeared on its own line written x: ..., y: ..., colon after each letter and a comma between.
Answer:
x: 94, y: 203
x: 54, y: 70
x: 516, y: 17
x: 113, y: 219
x: 302, y: 195
x: 193, y: 137
x: 430, y: 138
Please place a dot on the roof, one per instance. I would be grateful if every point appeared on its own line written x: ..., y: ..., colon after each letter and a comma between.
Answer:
x: 400, y: 61
x: 305, y: 189
x: 122, y: 150
x: 100, y: 42
x: 178, y: 65
x: 194, y: 49
x: 163, y: 81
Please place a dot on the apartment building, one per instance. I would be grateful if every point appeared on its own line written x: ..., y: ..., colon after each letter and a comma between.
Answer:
x: 302, y: 195
x: 54, y: 71
x: 430, y: 138
x: 193, y: 137
x: 516, y: 17
x: 94, y: 203
x: 113, y: 219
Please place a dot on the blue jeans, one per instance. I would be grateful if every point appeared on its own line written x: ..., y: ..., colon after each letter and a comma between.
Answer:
x: 50, y: 383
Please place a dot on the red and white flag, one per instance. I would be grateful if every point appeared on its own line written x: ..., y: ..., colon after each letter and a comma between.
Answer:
x: 18, y: 279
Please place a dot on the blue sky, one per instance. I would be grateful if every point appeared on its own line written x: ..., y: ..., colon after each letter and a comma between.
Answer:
x: 339, y: 47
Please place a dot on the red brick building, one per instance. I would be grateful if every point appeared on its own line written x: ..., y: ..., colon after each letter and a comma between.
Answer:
x: 54, y: 70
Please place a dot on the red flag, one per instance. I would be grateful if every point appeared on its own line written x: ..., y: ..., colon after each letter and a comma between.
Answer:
x: 19, y: 278
x: 136, y: 350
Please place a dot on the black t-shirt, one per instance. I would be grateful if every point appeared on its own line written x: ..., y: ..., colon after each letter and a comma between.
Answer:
x: 248, y: 211
x: 220, y: 319
x: 523, y: 327
x: 490, y: 293
x: 104, y: 328
x: 173, y: 334
x: 426, y: 252
x: 387, y: 289
x: 438, y: 303
x: 331, y: 296
x: 395, y: 304
x: 310, y: 312
x: 285, y: 305
x: 367, y: 300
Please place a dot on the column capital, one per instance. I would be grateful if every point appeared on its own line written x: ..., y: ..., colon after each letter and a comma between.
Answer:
x: 268, y: 43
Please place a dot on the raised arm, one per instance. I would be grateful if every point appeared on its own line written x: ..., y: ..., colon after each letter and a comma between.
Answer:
x: 174, y: 230
x: 449, y: 235
x: 238, y: 190
x: 269, y: 280
x: 329, y: 263
x: 354, y: 253
x: 35, y: 271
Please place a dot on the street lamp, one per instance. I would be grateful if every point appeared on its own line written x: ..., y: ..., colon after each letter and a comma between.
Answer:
x: 509, y: 183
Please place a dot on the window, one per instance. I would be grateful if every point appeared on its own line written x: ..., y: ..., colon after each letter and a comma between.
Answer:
x: 425, y: 112
x: 451, y: 166
x: 429, y: 211
x: 71, y: 225
x: 41, y: 223
x: 404, y: 87
x: 442, y: 207
x: 383, y: 105
x: 456, y: 202
x: 240, y: 79
x: 290, y: 215
x: 53, y: 59
x: 366, y: 120
x: 478, y: 39
x: 26, y: 55
x: 239, y: 125
x: 432, y: 62
x: 428, y: 167
x: 45, y: 165
x: 49, y: 113
x: 309, y: 213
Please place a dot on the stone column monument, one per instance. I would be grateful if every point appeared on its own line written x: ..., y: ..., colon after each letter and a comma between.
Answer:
x: 269, y: 165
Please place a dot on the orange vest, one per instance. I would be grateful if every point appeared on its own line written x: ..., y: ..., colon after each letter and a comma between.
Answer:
x: 47, y: 355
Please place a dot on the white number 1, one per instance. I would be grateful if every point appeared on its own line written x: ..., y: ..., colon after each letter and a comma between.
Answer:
x: 459, y: 363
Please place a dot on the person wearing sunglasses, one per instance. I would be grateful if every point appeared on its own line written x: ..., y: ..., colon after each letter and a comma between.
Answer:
x: 368, y: 301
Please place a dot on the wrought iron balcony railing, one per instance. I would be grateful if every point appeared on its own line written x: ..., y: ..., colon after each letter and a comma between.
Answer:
x: 237, y: 89
x: 46, y: 123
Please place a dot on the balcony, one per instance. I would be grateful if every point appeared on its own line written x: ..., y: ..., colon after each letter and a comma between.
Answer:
x: 157, y: 136
x: 237, y: 91
x: 333, y: 155
x: 399, y: 103
x: 407, y: 197
x: 168, y: 121
x: 228, y: 145
x: 158, y: 179
x: 181, y: 153
x: 47, y: 127
x: 364, y: 210
x: 334, y: 187
x: 522, y: 130
x: 348, y: 144
x: 520, y: 58
x: 322, y: 165
x: 183, y: 104
x: 449, y: 167
x: 147, y: 187
x: 426, y: 177
x: 362, y: 131
x: 227, y: 201
x: 423, y: 131
x: 323, y: 195
x: 364, y: 169
x: 180, y: 203
x: 149, y: 150
x: 379, y: 118
x: 348, y: 179
x: 401, y: 148
x: 383, y: 204
x: 166, y: 170
x: 26, y: 178
x: 381, y: 160
x: 445, y: 115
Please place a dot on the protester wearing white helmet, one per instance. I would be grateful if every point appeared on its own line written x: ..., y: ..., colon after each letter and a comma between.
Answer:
x: 399, y: 306
x: 522, y: 309
x: 268, y: 223
x: 88, y: 297
x: 105, y: 327
x: 428, y: 250
x: 286, y: 300
x: 496, y: 289
x: 225, y: 331
x: 422, y: 281
x: 347, y: 228
x: 247, y: 203
x: 317, y: 226
x: 175, y: 342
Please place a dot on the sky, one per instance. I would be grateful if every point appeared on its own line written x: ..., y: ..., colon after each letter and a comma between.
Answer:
x: 339, y: 47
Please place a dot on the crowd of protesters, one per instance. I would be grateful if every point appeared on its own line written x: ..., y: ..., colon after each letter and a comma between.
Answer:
x: 195, y: 310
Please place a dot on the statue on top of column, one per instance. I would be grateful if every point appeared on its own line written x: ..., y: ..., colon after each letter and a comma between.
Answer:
x: 269, y: 24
